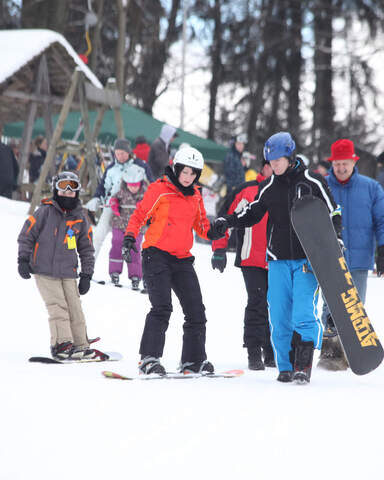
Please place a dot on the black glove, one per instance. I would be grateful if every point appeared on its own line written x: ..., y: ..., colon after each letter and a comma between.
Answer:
x: 24, y: 268
x: 380, y: 261
x: 219, y: 259
x: 129, y: 243
x: 218, y: 228
x: 85, y: 283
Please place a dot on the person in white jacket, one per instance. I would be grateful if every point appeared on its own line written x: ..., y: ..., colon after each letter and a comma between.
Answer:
x: 109, y: 186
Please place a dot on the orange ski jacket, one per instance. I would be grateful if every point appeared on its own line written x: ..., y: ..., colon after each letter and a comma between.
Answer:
x: 172, y: 217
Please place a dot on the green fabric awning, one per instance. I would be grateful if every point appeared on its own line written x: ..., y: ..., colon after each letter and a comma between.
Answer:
x: 136, y: 122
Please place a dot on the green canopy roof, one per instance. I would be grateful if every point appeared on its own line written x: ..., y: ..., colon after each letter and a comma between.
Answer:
x: 136, y: 122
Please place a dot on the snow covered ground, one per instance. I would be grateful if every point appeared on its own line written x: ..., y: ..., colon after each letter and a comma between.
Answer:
x: 67, y: 421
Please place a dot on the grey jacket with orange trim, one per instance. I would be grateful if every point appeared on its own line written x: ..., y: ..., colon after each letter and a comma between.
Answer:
x: 52, y: 239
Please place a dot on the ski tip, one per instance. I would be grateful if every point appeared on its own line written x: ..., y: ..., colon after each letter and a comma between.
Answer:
x: 108, y: 374
x: 43, y: 360
x: 235, y: 372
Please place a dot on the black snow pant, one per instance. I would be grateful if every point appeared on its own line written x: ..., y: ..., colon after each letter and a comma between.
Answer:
x: 256, y: 325
x: 163, y: 273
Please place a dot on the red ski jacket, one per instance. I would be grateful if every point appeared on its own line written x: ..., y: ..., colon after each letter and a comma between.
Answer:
x: 251, y: 241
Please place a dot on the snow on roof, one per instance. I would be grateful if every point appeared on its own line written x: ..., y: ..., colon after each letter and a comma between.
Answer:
x: 18, y: 47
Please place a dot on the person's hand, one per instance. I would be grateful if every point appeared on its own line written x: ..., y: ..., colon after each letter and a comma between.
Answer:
x: 219, y: 259
x: 24, y: 268
x: 85, y: 283
x: 114, y: 203
x: 380, y: 261
x: 129, y: 243
x: 218, y: 229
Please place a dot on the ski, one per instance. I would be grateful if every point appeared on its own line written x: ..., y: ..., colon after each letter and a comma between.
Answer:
x: 174, y: 376
x: 313, y: 226
x: 104, y: 357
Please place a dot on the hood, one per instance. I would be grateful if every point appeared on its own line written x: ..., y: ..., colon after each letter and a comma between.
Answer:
x: 167, y: 132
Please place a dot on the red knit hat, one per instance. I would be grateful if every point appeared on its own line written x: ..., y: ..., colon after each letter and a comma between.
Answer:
x: 343, y: 150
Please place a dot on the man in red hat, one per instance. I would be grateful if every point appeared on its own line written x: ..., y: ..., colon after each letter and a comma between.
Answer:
x: 362, y: 208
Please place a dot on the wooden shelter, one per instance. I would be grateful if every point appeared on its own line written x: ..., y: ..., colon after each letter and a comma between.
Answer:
x: 40, y: 75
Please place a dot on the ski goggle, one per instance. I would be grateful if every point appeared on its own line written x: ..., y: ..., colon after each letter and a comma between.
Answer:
x: 64, y: 185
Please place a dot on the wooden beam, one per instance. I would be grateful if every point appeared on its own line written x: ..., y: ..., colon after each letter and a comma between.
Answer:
x: 111, y: 85
x: 55, y: 139
x: 28, y: 126
x: 103, y: 96
x: 87, y: 135
x: 59, y: 61
x: 37, y: 97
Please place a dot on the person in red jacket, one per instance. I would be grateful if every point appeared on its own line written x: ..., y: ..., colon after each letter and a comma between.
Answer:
x: 251, y: 258
x: 142, y: 148
x: 173, y: 208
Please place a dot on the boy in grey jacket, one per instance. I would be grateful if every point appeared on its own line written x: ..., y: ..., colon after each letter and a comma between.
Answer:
x: 49, y: 245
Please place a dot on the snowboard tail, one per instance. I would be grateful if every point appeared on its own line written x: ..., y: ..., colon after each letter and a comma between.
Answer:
x: 109, y: 357
x: 313, y: 226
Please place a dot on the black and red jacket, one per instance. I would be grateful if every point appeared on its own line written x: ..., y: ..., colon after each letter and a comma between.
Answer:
x: 251, y: 241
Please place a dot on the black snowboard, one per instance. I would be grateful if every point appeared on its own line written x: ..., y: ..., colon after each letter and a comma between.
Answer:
x: 312, y: 223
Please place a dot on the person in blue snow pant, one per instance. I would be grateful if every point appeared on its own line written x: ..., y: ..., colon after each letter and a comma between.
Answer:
x: 292, y: 288
x: 292, y: 300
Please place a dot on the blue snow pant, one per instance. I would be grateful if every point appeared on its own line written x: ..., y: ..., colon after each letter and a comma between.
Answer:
x: 292, y: 302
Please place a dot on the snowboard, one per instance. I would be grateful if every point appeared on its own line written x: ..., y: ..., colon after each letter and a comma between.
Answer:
x: 313, y: 226
x: 109, y: 357
x: 175, y: 376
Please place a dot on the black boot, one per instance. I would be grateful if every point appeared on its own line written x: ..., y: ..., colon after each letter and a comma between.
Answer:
x: 285, y: 376
x: 269, y: 359
x: 303, y: 360
x: 255, y: 361
x: 332, y: 356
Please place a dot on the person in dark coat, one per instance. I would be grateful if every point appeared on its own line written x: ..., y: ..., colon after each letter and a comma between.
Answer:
x: 9, y: 171
x: 37, y: 157
x: 292, y: 287
x: 233, y: 167
x: 158, y: 157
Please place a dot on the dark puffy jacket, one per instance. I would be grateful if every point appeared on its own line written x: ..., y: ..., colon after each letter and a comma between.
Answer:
x: 276, y: 196
x: 9, y: 168
x: 127, y: 202
x: 45, y: 242
x: 362, y: 208
x: 233, y: 169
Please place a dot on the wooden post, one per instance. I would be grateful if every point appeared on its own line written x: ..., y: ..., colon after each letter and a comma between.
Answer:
x: 55, y: 139
x: 111, y: 85
x: 47, y: 107
x: 28, y: 126
x: 98, y: 122
x: 87, y: 136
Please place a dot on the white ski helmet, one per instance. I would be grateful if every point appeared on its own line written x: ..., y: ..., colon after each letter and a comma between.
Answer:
x: 189, y: 157
x: 134, y: 174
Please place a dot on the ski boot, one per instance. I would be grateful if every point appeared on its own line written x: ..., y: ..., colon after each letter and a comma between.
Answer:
x: 144, y: 289
x: 332, y: 356
x: 285, y: 376
x: 302, y: 365
x: 269, y: 359
x: 87, y: 354
x: 149, y: 365
x: 115, y: 278
x: 203, y: 367
x: 61, y: 351
x: 255, y: 361
x: 135, y: 283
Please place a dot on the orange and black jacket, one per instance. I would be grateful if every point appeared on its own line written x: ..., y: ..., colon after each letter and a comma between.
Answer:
x: 172, y: 217
x: 52, y: 239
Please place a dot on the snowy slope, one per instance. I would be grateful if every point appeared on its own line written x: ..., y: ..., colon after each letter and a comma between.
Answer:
x: 67, y: 421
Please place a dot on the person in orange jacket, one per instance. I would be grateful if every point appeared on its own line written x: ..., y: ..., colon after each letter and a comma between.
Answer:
x: 173, y: 208
x: 251, y: 257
